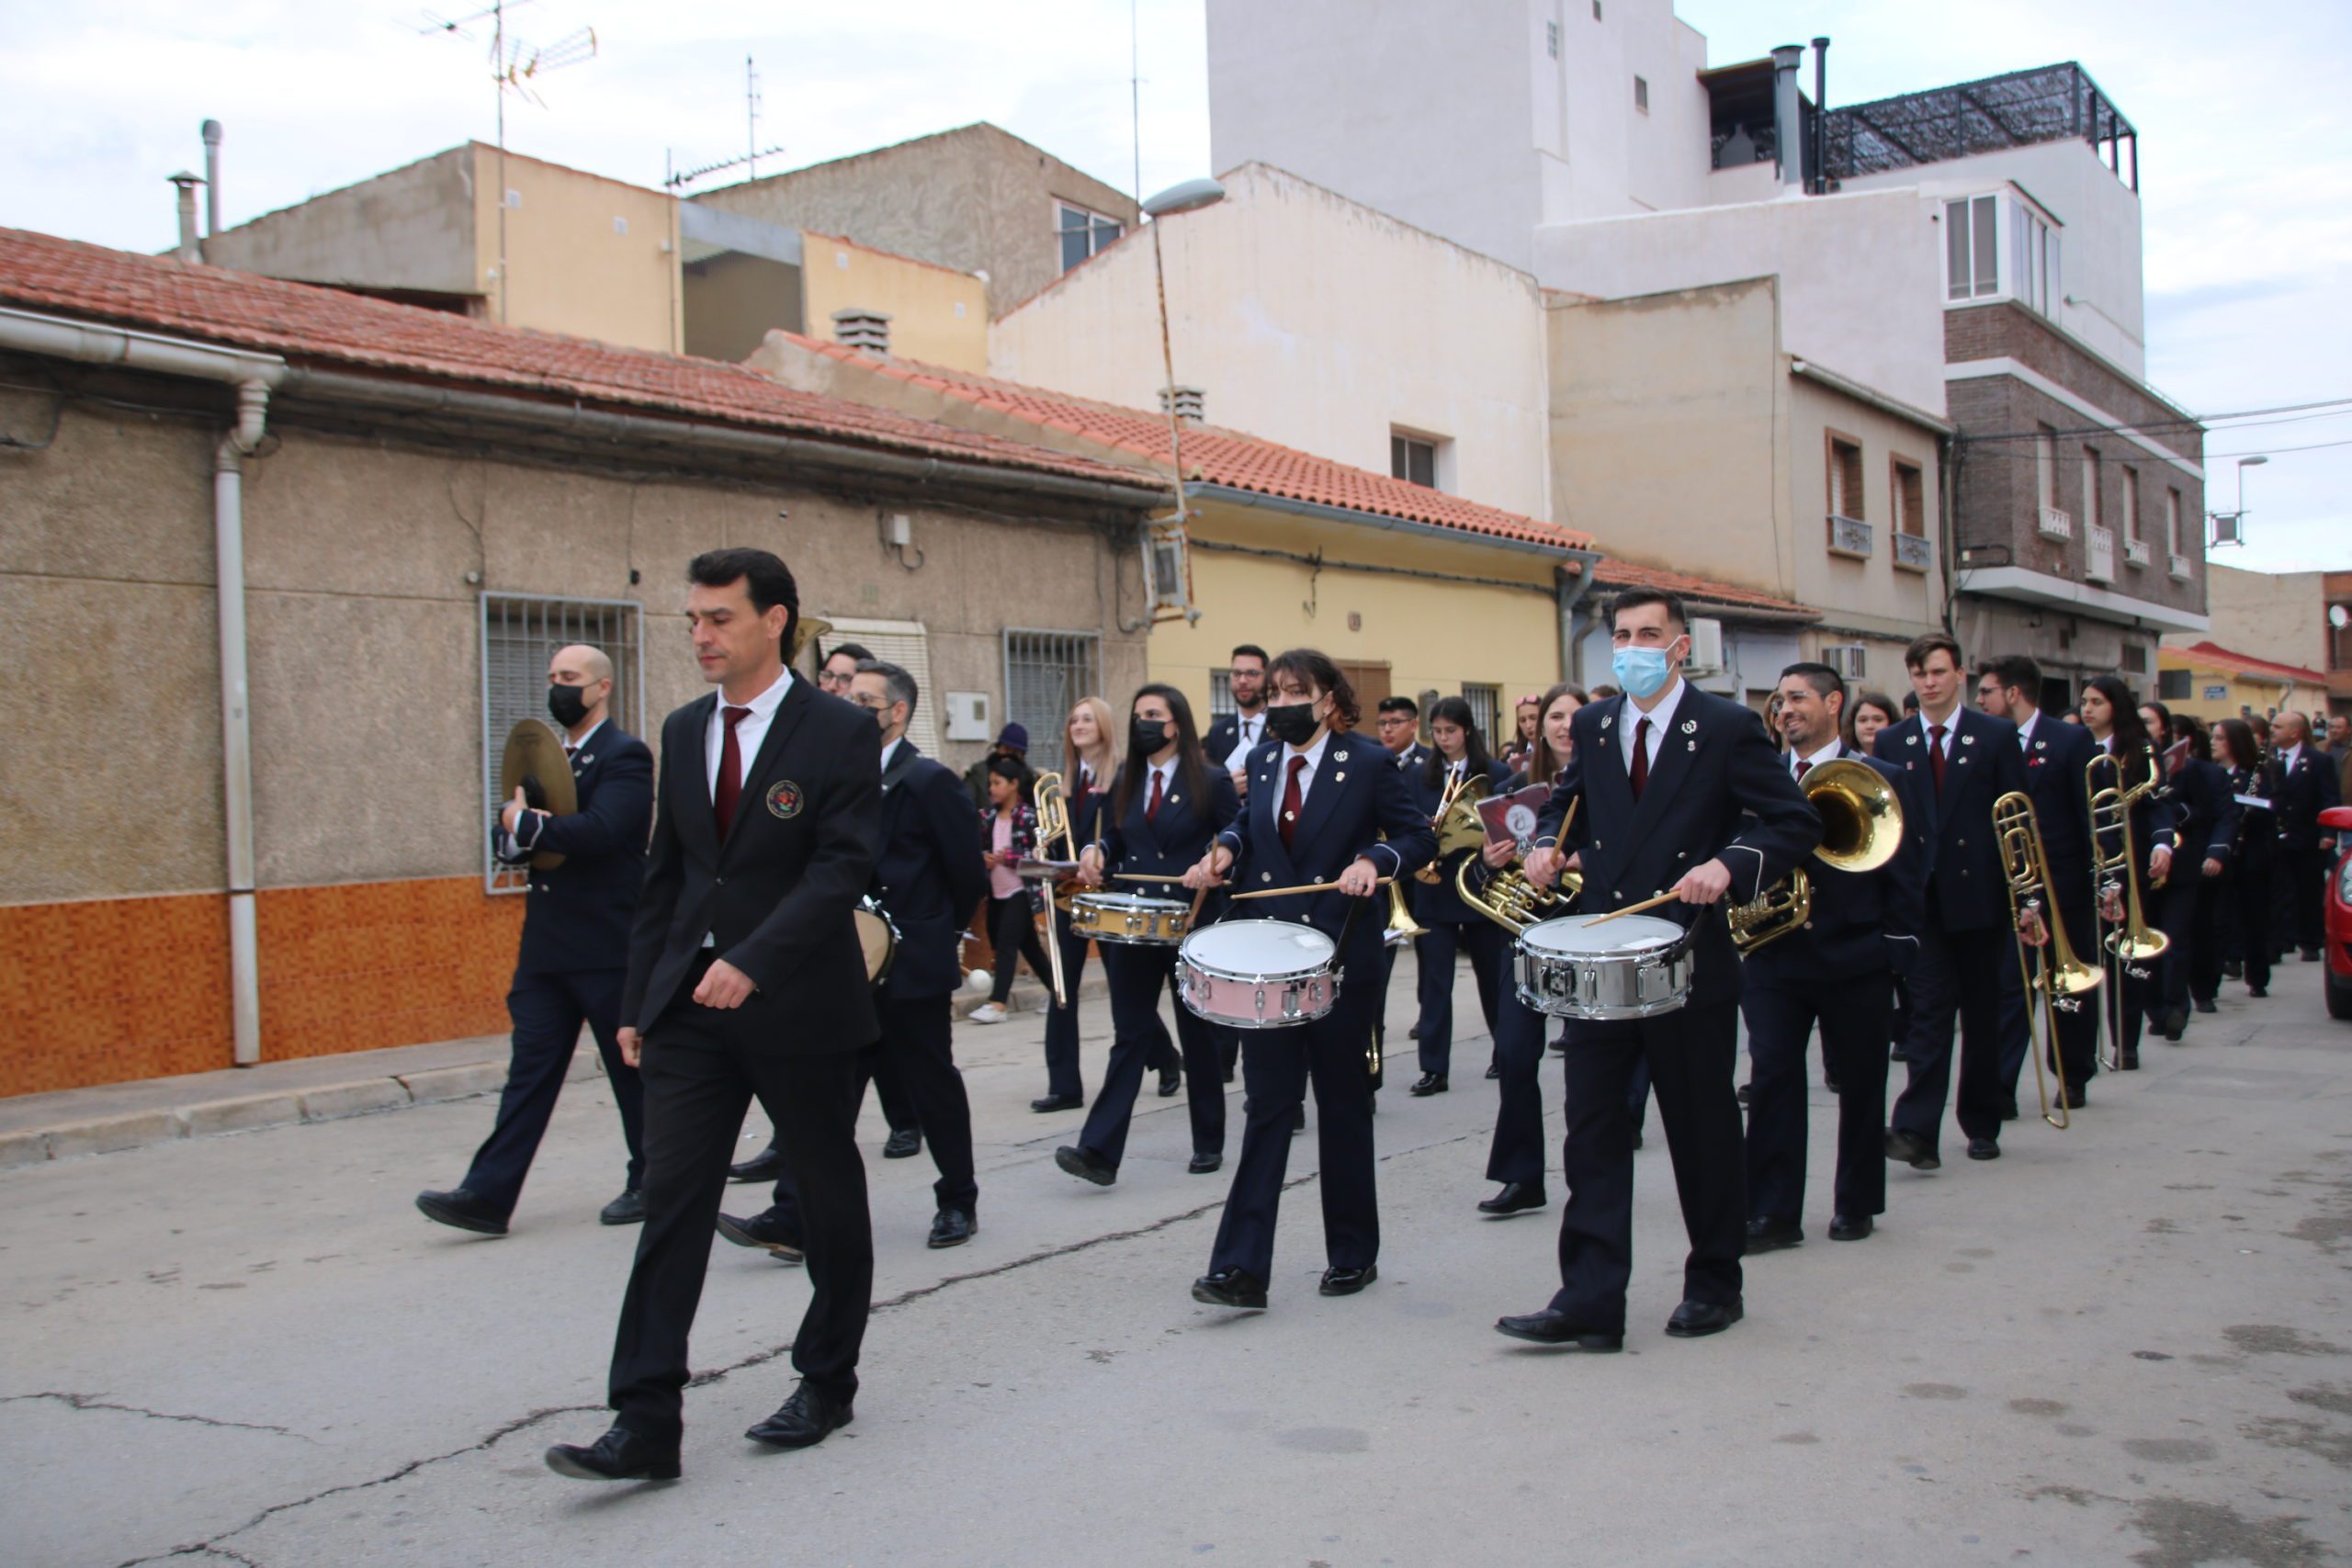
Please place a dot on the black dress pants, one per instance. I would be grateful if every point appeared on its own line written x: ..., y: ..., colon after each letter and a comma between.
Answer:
x: 702, y: 1067
x: 1854, y: 1015
x: 1689, y: 1053
x: 1956, y: 976
x: 1484, y: 941
x: 1516, y: 1154
x: 548, y: 1011
x: 1137, y: 973
x: 2077, y: 1050
x: 2250, y: 889
x: 918, y: 1045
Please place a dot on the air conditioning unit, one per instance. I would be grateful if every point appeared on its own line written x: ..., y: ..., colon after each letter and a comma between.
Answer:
x: 1847, y: 659
x: 1168, y: 570
x: 2057, y: 523
x: 1706, y: 647
x: 967, y: 715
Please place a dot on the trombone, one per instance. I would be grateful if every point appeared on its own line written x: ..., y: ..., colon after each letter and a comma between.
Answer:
x: 2128, y: 942
x: 1053, y: 822
x: 2052, y: 973
x: 1861, y: 827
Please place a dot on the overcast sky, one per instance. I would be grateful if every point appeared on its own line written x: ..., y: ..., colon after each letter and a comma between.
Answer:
x: 2245, y: 141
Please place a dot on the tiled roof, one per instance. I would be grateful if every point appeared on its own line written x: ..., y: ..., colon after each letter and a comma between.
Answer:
x: 1218, y: 456
x: 2210, y: 655
x: 1614, y: 573
x: 328, y: 327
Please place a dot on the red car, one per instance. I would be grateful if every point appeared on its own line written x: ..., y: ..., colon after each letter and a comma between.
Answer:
x: 2337, y: 820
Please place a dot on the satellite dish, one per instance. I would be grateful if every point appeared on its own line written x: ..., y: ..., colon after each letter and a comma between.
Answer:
x: 2338, y: 617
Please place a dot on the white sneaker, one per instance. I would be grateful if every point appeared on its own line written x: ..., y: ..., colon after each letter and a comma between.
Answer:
x: 988, y: 1012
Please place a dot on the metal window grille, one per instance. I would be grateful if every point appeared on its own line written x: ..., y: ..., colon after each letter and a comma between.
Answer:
x: 1486, y: 709
x: 1220, y: 695
x: 519, y: 631
x: 1044, y: 674
x: 907, y: 645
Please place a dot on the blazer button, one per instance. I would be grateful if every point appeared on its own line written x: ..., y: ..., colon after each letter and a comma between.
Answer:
x: 1808, y: 925
x: 720, y: 881
x: 1265, y: 876
x: 1319, y: 879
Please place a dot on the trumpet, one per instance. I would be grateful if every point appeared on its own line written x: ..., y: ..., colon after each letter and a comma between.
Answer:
x: 2128, y: 943
x: 2052, y: 973
x: 1053, y: 822
x: 1861, y: 828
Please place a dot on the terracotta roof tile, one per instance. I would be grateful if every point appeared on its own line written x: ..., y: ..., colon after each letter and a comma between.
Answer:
x: 2211, y: 655
x: 1614, y: 573
x: 325, y: 326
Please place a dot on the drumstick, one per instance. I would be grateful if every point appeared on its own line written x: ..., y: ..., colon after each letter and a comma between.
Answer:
x: 1631, y: 909
x: 1301, y: 888
x: 1141, y: 876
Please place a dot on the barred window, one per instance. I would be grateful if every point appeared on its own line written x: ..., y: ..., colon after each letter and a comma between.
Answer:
x: 1220, y: 695
x: 907, y: 645
x: 519, y: 633
x: 1486, y: 705
x: 1044, y: 674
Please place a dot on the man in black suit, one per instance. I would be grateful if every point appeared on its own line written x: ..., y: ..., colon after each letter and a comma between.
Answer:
x: 1233, y: 736
x: 1675, y: 789
x: 1956, y: 761
x: 766, y: 814
x: 575, y: 948
x: 929, y: 875
x: 2055, y: 754
x: 1399, y: 726
x: 2307, y: 786
x: 1836, y: 968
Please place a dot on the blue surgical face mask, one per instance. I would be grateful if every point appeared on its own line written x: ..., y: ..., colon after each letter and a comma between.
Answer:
x: 1642, y: 671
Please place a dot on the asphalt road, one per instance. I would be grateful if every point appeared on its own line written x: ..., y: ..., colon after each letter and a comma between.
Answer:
x: 2127, y: 1342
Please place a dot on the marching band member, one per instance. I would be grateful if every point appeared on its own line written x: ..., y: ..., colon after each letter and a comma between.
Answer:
x: 1679, y: 790
x: 1235, y: 735
x: 1837, y: 969
x: 2114, y: 722
x: 1166, y: 806
x: 1400, y: 729
x: 1459, y: 760
x: 2205, y: 827
x: 2307, y: 786
x: 2253, y: 784
x: 1318, y: 804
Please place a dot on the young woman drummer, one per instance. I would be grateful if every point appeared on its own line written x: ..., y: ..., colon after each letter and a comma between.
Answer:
x: 1458, y: 759
x: 2113, y: 719
x: 1318, y: 804
x: 1157, y: 821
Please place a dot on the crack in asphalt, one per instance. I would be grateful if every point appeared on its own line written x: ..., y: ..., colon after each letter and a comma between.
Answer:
x: 92, y: 1402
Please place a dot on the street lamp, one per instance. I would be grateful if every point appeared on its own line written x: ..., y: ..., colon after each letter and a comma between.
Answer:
x: 1166, y: 540
x: 2229, y: 527
x: 2244, y: 464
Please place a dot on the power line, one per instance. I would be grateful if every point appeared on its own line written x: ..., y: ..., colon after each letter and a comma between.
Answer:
x: 2272, y: 451
x: 2143, y: 426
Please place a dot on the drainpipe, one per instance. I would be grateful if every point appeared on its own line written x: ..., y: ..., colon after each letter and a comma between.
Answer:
x: 1572, y: 591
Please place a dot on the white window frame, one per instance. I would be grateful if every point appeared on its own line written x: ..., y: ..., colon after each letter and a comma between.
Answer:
x: 1096, y: 241
x: 2021, y: 247
x: 1440, y: 456
x: 907, y: 645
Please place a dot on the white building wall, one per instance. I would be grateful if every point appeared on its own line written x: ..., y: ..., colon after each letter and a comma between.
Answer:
x: 1314, y: 321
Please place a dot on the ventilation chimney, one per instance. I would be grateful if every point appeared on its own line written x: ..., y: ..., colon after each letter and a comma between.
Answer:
x: 1188, y: 403
x: 1788, y: 132
x: 869, y: 332
x: 1817, y: 154
x: 211, y: 177
x: 187, y: 183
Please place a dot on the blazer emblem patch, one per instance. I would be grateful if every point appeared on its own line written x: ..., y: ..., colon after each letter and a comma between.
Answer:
x: 1968, y: 741
x: 1690, y: 727
x: 785, y: 800
x: 1910, y: 740
x: 1606, y: 719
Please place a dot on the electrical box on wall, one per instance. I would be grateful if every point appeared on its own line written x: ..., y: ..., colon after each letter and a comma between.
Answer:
x: 967, y: 715
x: 1706, y: 645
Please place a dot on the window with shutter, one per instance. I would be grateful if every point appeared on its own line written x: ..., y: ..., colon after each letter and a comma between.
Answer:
x: 907, y: 645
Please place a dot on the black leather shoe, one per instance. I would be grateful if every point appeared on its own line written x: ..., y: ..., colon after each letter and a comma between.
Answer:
x: 628, y: 1209
x: 2311, y: 955
x: 1348, y: 1282
x: 1983, y: 1148
x: 2232, y: 969
x: 1829, y: 1080
x: 765, y: 1165
x: 802, y: 1421
x: 1695, y: 1320
x: 2009, y: 1110
x: 1228, y: 1075
x: 1084, y: 1164
x: 1236, y: 1288
x: 1848, y: 1227
x: 1058, y: 1102
x: 1771, y: 1235
x: 1427, y: 1084
x: 2258, y: 990
x: 1494, y: 1071
x: 2130, y: 1063
x: 461, y: 1209
x: 765, y: 1229
x: 2074, y: 1097
x: 905, y: 1142
x: 1516, y: 1198
x: 953, y: 1227
x: 1414, y: 1033
x: 1298, y: 1118
x: 1743, y: 1091
x: 1171, y: 1080
x: 1202, y: 1165
x: 619, y: 1455
x: 1550, y: 1328
x: 1909, y: 1148
x: 2205, y: 1004
x: 1637, y: 1137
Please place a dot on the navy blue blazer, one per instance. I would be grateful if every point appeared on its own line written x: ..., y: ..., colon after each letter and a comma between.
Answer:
x: 2055, y: 755
x: 1861, y: 922
x: 577, y: 915
x: 1357, y: 794
x: 2153, y: 819
x: 1172, y: 844
x: 2305, y: 790
x: 1440, y: 904
x: 927, y: 872
x: 1718, y: 791
x: 1967, y: 889
x: 2257, y: 843
x: 2205, y: 824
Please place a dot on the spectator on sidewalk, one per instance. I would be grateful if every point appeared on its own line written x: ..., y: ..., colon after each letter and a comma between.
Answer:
x: 1008, y: 836
x: 1012, y: 741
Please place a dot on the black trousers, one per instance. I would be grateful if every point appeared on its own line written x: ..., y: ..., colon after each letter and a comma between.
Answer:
x: 2249, y: 892
x: 1276, y: 1066
x: 2304, y: 871
x: 1957, y: 976
x: 1517, y: 1153
x: 1484, y: 943
x: 918, y: 1045
x: 1854, y: 1015
x: 2077, y: 1052
x: 702, y: 1067
x: 1012, y: 929
x: 546, y: 1012
x: 1138, y: 974
x: 1690, y: 1053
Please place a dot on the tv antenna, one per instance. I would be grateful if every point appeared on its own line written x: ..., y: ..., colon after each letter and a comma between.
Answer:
x: 674, y: 178
x: 514, y: 66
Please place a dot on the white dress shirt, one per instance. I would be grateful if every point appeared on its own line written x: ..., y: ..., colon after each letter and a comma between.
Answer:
x: 890, y: 748
x: 1314, y: 755
x: 1248, y: 731
x: 2025, y: 730
x: 750, y: 730
x: 1827, y: 754
x: 1950, y: 722
x: 1659, y: 717
x: 2290, y: 757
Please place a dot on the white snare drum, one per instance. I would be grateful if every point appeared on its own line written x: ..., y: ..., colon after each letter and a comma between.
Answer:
x: 1130, y: 918
x: 1637, y: 966
x: 877, y: 935
x: 1258, y: 974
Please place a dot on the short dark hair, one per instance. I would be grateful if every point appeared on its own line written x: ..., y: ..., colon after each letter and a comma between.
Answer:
x: 1820, y: 677
x: 1400, y: 704
x: 2019, y: 673
x: 1915, y: 656
x: 1910, y: 702
x: 896, y: 682
x: 1317, y: 669
x: 763, y: 573
x: 1635, y: 598
x: 856, y: 650
x: 1247, y: 650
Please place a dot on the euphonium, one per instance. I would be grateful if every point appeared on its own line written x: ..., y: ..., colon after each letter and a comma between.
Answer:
x: 1509, y: 899
x: 2059, y: 978
x: 1861, y: 827
x: 1457, y: 824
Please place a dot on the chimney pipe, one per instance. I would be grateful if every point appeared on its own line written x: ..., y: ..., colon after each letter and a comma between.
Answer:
x: 189, y: 250
x: 1818, y: 155
x: 1786, y: 136
x: 211, y: 177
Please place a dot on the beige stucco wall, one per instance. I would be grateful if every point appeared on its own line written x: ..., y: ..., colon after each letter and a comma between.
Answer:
x: 733, y: 300
x: 2280, y: 615
x: 1310, y: 321
x: 936, y: 315
x: 585, y: 256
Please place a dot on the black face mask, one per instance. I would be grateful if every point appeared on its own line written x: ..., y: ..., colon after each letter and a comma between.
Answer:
x: 1292, y: 724
x: 568, y: 705
x: 1147, y: 736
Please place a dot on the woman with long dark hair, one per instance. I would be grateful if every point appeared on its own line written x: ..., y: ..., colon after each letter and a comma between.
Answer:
x: 2113, y: 718
x: 2207, y: 832
x: 1161, y: 815
x: 1871, y: 712
x: 1457, y: 758
x: 2247, y: 906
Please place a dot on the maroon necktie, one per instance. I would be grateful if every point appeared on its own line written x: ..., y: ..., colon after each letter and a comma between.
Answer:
x: 1802, y: 766
x: 1641, y: 774
x: 1151, y: 810
x: 1291, y: 799
x: 1936, y: 757
x: 730, y: 773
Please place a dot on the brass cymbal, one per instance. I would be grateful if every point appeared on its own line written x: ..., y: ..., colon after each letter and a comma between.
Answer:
x: 534, y: 752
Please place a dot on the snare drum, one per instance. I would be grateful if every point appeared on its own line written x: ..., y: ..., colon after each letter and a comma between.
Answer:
x: 1638, y: 966
x: 1130, y: 918
x: 877, y: 934
x: 1258, y: 974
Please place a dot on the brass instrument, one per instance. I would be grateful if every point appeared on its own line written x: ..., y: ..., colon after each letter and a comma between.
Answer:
x: 804, y: 629
x: 1053, y: 822
x: 2053, y: 971
x: 1861, y: 828
x: 1402, y: 927
x: 1509, y: 899
x: 1457, y: 825
x: 2128, y: 943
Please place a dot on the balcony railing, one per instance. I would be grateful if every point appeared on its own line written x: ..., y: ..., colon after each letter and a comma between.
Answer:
x: 1849, y: 537
x: 2098, y: 554
x: 2136, y: 551
x: 2056, y: 523
x: 2181, y: 570
x: 1913, y: 552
